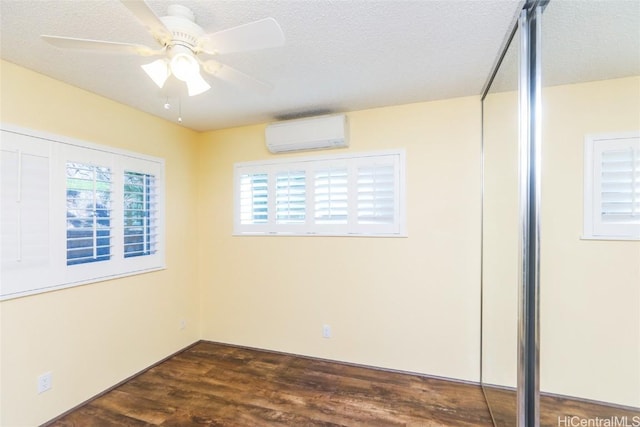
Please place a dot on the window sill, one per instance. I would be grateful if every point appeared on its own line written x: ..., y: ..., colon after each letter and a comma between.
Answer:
x: 609, y: 238
x: 283, y: 234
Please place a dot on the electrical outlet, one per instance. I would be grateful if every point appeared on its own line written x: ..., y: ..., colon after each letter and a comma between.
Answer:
x: 326, y: 331
x: 183, y: 324
x: 44, y: 382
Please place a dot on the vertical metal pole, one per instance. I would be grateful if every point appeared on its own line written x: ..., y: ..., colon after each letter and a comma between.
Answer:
x: 528, y: 404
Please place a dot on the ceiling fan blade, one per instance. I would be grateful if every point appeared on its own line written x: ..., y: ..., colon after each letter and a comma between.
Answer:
x: 149, y: 19
x: 100, y: 45
x: 231, y: 75
x: 261, y: 34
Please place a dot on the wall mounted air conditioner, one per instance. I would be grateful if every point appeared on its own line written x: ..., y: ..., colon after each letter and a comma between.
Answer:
x: 313, y: 133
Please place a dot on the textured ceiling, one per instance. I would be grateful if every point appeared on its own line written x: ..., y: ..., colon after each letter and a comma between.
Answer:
x: 338, y: 56
x: 582, y: 41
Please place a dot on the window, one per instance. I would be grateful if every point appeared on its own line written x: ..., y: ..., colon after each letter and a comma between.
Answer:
x: 331, y: 193
x: 140, y: 214
x: 88, y: 213
x: 376, y: 185
x: 344, y: 195
x: 291, y: 199
x: 612, y: 187
x: 73, y: 213
x: 253, y: 198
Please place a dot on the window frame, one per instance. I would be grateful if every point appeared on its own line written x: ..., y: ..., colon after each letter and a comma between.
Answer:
x: 593, y: 227
x: 312, y: 165
x: 18, y: 281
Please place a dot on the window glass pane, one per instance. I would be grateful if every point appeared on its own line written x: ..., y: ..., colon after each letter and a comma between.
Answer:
x: 140, y: 214
x: 254, y: 198
x: 331, y: 189
x: 291, y: 193
x: 376, y: 194
x: 88, y: 213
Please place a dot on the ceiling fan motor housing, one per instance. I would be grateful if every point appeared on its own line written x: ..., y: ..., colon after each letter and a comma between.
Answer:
x: 184, y: 30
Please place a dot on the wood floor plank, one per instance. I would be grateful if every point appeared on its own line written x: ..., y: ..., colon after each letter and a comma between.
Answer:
x: 134, y: 405
x: 559, y: 411
x: 213, y: 384
x: 92, y: 415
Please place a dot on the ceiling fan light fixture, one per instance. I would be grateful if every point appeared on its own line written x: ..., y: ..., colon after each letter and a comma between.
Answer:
x: 158, y: 71
x: 184, y: 66
x: 181, y: 40
x: 196, y: 84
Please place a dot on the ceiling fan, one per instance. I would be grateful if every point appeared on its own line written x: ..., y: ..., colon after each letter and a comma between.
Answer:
x: 182, y: 42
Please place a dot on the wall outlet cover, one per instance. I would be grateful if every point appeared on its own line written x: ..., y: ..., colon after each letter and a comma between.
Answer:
x: 326, y: 331
x: 44, y: 382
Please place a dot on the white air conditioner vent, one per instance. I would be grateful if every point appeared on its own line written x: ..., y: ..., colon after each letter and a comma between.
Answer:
x: 313, y: 133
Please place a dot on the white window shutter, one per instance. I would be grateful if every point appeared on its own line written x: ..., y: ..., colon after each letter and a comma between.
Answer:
x: 140, y: 212
x: 10, y: 220
x: 291, y: 197
x: 358, y: 194
x: 331, y: 191
x: 612, y: 186
x: 254, y: 198
x: 25, y: 213
x: 376, y: 194
x: 620, y: 185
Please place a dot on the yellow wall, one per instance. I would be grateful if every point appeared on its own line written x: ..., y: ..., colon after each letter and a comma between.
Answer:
x: 500, y: 239
x: 404, y: 303
x: 91, y: 337
x: 590, y: 289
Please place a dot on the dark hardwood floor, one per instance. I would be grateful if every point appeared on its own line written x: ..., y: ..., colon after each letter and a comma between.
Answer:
x: 218, y: 385
x: 557, y: 411
x: 212, y: 384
